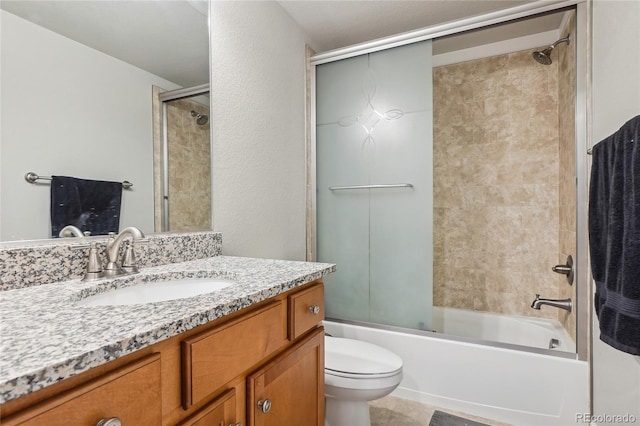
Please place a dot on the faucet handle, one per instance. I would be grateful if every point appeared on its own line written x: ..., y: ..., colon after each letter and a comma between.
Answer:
x: 129, y: 259
x: 566, y: 269
x: 94, y: 266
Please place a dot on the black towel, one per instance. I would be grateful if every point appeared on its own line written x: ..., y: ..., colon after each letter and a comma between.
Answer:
x: 90, y: 205
x: 614, y: 236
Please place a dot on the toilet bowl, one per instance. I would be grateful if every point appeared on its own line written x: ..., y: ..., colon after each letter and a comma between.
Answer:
x: 356, y: 372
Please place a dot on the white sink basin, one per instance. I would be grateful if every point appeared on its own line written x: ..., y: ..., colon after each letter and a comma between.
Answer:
x: 157, y: 291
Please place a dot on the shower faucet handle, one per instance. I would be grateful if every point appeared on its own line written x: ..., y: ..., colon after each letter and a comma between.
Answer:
x: 562, y: 269
x: 566, y: 269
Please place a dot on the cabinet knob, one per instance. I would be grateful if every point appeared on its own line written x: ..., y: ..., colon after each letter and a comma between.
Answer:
x: 113, y: 421
x: 265, y: 405
x: 237, y: 424
x: 315, y: 309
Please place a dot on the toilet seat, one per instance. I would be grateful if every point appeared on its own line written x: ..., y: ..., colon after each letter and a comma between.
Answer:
x: 359, y: 360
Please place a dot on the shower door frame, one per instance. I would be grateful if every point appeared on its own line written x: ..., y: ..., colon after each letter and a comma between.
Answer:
x: 582, y: 141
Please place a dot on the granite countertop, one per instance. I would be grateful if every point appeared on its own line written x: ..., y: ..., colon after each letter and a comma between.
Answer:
x: 45, y: 336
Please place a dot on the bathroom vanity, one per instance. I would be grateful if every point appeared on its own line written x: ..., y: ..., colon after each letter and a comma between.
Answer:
x: 249, y: 354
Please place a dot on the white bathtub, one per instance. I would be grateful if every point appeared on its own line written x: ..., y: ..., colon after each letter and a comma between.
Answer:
x: 504, y: 384
x: 516, y: 330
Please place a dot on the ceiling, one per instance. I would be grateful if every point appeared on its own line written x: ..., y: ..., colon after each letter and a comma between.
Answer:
x: 332, y: 24
x: 169, y: 38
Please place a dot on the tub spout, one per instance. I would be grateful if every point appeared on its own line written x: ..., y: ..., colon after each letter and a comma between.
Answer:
x: 565, y: 304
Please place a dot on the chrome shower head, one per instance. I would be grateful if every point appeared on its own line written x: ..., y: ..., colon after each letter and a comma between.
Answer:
x: 544, y: 56
x: 201, y: 119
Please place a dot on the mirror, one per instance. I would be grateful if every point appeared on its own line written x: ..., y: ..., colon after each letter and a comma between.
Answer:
x: 77, y: 98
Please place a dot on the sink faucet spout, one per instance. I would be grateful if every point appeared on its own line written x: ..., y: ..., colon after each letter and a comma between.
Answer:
x: 113, y: 248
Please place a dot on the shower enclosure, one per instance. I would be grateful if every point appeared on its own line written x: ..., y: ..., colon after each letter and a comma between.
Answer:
x: 182, y: 159
x: 446, y: 189
x: 375, y: 198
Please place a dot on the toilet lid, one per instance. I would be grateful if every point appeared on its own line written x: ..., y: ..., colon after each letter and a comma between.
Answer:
x: 358, y: 357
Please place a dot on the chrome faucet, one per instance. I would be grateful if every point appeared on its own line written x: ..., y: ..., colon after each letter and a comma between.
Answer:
x: 70, y: 231
x: 113, y: 249
x: 565, y: 304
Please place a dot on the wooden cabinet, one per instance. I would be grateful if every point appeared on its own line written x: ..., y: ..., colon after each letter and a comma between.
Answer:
x: 290, y: 389
x: 212, y: 358
x: 130, y: 393
x: 306, y: 310
x: 213, y: 375
x: 221, y: 412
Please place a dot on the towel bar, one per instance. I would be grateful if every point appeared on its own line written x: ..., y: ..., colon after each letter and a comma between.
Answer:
x: 32, y: 177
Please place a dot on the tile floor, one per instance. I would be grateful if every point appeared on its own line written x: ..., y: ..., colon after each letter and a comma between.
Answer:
x: 393, y: 411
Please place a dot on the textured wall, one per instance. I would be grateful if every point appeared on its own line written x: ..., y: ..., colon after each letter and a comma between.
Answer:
x: 496, y: 184
x: 566, y: 58
x: 258, y: 133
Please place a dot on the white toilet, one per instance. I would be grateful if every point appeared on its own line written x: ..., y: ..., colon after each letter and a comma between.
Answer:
x: 356, y: 372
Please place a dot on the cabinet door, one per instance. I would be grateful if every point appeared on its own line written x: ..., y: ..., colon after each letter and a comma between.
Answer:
x: 290, y: 389
x: 221, y: 412
x: 130, y: 393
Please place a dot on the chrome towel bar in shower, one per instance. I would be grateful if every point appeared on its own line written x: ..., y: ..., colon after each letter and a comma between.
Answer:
x: 392, y: 185
x: 32, y: 177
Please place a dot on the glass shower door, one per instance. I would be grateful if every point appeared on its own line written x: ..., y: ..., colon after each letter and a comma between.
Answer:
x: 374, y: 185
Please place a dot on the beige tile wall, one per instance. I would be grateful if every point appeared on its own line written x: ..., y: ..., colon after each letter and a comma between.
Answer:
x: 189, y: 167
x: 496, y: 162
x: 565, y: 55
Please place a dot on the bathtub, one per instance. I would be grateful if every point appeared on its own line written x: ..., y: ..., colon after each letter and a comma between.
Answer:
x: 515, y: 330
x: 498, y: 381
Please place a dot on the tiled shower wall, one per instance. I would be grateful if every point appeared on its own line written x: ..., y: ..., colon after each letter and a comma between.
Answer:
x: 496, y: 184
x: 567, y: 202
x: 189, y: 167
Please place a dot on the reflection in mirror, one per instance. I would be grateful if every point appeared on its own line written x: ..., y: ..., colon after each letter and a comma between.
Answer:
x: 182, y: 164
x: 77, y: 99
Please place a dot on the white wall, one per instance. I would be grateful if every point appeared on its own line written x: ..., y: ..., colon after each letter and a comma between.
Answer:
x: 70, y: 110
x: 616, y: 99
x: 258, y: 129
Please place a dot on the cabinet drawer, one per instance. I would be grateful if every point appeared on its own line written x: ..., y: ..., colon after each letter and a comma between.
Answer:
x: 306, y: 310
x: 213, y: 358
x: 130, y: 393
